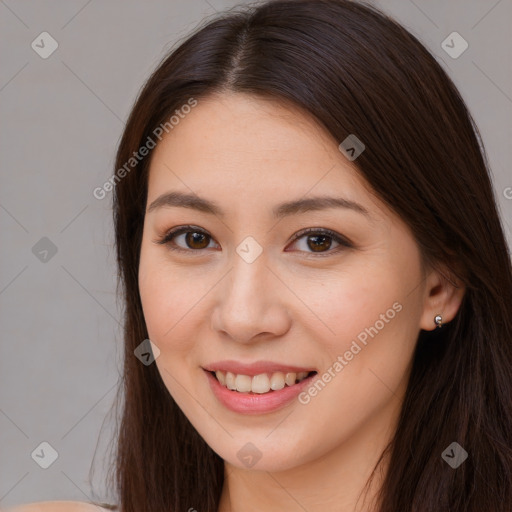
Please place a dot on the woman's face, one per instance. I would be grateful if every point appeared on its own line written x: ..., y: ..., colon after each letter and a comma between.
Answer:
x: 238, y: 294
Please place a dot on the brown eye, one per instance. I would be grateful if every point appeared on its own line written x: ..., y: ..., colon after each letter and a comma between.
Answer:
x: 190, y: 239
x: 319, y: 241
x: 195, y: 240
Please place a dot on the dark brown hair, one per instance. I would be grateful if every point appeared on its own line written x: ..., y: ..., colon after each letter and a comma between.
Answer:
x: 356, y: 71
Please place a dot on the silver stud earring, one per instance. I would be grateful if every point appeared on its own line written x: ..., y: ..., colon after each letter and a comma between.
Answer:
x: 438, y: 320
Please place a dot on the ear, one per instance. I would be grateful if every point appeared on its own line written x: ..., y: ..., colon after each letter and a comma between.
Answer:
x: 443, y: 296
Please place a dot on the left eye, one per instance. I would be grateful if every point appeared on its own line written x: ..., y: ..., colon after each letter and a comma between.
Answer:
x: 318, y: 240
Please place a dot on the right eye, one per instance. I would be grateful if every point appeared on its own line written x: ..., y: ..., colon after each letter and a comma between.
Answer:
x: 194, y: 239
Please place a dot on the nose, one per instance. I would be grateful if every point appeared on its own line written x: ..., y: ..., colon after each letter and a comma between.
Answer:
x: 249, y: 304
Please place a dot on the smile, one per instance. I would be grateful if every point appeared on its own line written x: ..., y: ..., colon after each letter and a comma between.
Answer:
x: 261, y: 383
x: 268, y: 388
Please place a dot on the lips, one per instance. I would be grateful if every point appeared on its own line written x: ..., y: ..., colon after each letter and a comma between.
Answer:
x: 256, y: 403
x: 256, y: 388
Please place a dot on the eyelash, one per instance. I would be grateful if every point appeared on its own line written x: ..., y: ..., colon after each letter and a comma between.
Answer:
x: 167, y: 238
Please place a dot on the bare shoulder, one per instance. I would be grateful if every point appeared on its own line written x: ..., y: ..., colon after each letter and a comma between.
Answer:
x: 57, y: 506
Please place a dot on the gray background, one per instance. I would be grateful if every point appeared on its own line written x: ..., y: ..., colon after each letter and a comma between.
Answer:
x: 61, y: 121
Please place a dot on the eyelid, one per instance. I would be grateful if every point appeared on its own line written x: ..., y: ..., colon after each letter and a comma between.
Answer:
x: 179, y: 230
x: 340, y: 239
x: 176, y: 231
x: 322, y: 231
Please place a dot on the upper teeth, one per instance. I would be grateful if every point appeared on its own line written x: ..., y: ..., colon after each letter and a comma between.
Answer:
x: 261, y: 383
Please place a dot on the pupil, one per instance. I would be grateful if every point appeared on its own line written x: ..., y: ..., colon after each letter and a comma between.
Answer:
x: 193, y: 237
x: 316, y: 245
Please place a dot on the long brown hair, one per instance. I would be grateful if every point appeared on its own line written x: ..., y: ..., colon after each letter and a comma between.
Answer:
x: 357, y: 71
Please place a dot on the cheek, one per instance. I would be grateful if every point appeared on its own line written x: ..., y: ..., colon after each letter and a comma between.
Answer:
x: 168, y: 310
x: 171, y: 300
x: 348, y: 302
x: 157, y: 293
x: 365, y: 361
x: 368, y: 316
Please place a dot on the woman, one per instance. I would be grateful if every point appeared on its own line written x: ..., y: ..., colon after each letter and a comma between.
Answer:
x: 307, y: 233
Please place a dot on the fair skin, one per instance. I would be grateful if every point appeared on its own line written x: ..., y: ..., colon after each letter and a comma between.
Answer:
x: 291, y: 305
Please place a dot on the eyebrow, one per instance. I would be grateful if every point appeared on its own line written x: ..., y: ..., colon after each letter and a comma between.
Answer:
x: 185, y: 200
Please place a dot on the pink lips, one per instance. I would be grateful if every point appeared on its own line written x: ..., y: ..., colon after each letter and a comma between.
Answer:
x: 253, y: 403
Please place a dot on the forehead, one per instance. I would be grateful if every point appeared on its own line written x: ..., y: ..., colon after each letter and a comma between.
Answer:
x: 242, y: 147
